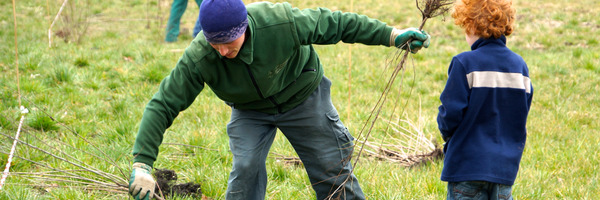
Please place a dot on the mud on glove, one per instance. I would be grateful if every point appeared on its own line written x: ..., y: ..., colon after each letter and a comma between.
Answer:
x: 141, y: 183
x: 399, y: 38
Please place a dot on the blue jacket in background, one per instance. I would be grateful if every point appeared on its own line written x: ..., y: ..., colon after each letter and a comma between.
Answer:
x: 483, y: 113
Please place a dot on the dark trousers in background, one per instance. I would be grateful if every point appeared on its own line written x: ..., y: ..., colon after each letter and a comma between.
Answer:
x: 177, y: 9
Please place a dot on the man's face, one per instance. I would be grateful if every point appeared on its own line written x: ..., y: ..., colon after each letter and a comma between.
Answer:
x: 230, y: 50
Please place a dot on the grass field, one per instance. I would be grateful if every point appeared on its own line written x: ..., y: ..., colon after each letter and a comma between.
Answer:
x: 108, y: 57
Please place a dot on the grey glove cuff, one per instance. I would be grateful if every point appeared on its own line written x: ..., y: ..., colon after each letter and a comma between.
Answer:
x: 142, y: 166
x: 395, y: 33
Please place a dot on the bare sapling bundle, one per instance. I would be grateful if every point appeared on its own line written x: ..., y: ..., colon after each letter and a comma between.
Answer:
x: 433, y: 8
x: 407, y: 144
x: 67, y: 165
x: 63, y: 163
x: 428, y: 9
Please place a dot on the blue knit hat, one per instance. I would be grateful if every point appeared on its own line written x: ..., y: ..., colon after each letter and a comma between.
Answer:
x: 223, y: 21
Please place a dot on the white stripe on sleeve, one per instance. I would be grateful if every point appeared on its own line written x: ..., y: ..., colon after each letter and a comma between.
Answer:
x: 493, y: 79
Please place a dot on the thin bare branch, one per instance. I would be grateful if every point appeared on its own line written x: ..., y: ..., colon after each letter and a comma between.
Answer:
x: 60, y: 170
x: 105, y: 156
x: 114, y: 178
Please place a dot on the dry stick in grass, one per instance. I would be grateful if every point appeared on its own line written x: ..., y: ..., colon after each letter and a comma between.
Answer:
x: 23, y: 110
x: 51, y: 25
x: 432, y: 8
x: 291, y: 160
x: 286, y: 159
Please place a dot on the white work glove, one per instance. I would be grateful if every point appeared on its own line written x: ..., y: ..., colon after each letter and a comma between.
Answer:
x: 141, y: 183
x: 399, y: 37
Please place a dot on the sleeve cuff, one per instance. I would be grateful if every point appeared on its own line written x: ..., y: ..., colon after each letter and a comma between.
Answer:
x: 143, y: 159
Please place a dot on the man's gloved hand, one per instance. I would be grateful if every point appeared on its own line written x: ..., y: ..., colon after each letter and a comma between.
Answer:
x: 419, y: 39
x: 141, y: 183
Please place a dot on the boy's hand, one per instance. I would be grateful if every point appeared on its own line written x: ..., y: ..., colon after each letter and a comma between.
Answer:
x: 419, y: 39
x: 141, y: 183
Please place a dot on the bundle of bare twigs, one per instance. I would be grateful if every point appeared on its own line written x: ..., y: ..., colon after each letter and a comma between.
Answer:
x: 66, y: 165
x: 63, y: 169
x: 429, y: 9
x: 432, y: 8
x: 406, y: 146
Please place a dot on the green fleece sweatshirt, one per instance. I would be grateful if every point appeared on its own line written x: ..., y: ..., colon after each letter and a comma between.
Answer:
x: 276, y: 69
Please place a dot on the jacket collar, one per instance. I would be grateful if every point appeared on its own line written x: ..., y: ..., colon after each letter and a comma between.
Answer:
x: 246, y: 54
x: 485, y: 41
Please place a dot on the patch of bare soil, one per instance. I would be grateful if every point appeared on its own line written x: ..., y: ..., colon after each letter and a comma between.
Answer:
x: 166, y: 182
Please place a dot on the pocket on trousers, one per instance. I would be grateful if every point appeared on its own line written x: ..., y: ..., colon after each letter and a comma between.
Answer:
x: 338, y: 127
x: 467, y: 189
x: 504, y: 192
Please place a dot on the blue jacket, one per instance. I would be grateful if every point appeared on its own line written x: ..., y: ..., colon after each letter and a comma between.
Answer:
x: 483, y: 113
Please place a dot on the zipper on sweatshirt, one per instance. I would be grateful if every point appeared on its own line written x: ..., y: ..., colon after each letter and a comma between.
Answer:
x: 259, y: 92
x: 276, y: 104
x: 254, y: 82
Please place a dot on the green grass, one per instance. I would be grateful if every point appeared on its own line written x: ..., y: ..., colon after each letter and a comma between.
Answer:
x: 98, y: 88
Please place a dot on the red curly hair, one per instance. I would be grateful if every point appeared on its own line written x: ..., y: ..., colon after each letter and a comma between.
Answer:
x: 484, y: 18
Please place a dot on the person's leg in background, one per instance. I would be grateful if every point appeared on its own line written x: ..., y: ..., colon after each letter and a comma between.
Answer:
x: 177, y: 9
x: 197, y: 27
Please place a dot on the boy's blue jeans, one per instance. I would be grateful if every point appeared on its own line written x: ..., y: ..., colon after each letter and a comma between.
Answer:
x: 478, y: 190
x: 315, y: 131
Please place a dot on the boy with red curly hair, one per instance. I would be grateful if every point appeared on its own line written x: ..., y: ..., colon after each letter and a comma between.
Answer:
x: 484, y: 105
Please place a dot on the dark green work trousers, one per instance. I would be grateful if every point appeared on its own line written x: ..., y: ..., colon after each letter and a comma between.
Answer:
x: 317, y: 134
